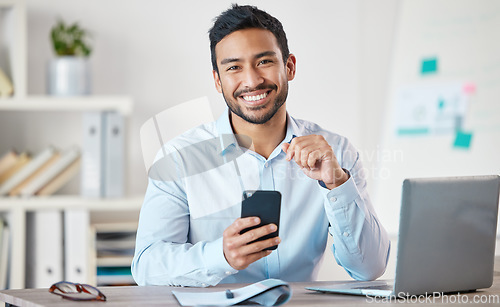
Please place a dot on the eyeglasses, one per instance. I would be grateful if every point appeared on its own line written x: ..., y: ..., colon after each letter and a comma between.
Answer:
x: 77, y: 292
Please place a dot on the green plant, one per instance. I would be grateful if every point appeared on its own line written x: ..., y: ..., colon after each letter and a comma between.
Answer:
x: 70, y: 39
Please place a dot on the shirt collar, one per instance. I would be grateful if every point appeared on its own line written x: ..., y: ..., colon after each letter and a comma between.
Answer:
x: 292, y: 130
x: 228, y: 139
x: 226, y: 135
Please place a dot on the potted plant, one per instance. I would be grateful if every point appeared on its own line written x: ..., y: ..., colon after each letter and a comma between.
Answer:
x: 69, y: 72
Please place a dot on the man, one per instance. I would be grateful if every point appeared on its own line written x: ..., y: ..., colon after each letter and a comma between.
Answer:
x: 189, y: 229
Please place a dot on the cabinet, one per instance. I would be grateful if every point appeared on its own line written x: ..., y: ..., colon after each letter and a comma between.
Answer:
x: 13, y: 60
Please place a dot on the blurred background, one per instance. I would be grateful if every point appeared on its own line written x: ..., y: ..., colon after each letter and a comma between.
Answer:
x: 414, y: 85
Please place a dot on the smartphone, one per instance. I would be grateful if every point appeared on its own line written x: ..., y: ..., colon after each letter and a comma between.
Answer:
x: 267, y: 206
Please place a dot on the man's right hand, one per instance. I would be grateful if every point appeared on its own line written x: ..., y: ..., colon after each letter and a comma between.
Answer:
x: 239, y: 254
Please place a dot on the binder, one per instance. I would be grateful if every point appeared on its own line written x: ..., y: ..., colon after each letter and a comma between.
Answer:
x: 114, y: 155
x: 44, y: 252
x: 91, y: 183
x: 76, y: 246
x: 4, y: 253
x: 103, y: 155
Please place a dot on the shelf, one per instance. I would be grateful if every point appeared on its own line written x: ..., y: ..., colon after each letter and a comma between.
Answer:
x: 114, y: 261
x: 8, y: 3
x: 122, y: 104
x: 64, y: 202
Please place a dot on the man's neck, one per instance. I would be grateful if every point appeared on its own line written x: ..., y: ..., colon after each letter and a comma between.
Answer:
x: 265, y: 137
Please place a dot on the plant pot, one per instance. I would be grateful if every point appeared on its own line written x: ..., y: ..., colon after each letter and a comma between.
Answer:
x: 69, y: 76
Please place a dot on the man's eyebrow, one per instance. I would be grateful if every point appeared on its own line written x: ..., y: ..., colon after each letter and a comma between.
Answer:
x: 229, y: 60
x: 265, y: 53
x: 257, y: 56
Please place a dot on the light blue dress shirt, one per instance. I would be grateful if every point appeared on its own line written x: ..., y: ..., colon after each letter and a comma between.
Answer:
x: 195, y: 192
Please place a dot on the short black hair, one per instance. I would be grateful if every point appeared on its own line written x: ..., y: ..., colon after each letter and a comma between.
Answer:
x: 246, y: 17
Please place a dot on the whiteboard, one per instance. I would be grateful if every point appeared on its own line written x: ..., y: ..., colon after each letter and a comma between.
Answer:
x: 450, y: 47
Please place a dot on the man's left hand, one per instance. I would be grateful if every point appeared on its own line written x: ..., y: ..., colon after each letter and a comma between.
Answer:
x: 316, y: 158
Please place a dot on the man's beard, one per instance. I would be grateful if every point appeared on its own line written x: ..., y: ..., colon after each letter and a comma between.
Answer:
x: 258, y: 120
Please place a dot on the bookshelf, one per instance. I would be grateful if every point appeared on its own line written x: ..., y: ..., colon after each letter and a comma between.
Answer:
x: 120, y: 104
x: 15, y: 209
x: 13, y: 61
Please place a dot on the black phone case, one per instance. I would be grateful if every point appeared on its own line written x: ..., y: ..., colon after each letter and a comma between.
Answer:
x: 267, y: 206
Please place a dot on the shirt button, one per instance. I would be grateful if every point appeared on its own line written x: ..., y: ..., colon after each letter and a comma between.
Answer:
x: 333, y: 199
x: 346, y: 234
x: 266, y: 165
x: 228, y: 273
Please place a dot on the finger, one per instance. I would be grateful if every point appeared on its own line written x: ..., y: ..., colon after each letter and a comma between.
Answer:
x: 241, y: 223
x: 297, y: 151
x: 305, y: 156
x: 313, y: 159
x: 294, y: 144
x: 300, y: 143
x: 255, y: 234
x: 256, y: 256
x: 285, y: 147
x: 290, y: 150
x: 259, y: 246
x: 239, y: 247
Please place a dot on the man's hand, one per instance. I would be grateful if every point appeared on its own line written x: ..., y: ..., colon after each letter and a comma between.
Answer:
x: 315, y: 157
x: 239, y: 254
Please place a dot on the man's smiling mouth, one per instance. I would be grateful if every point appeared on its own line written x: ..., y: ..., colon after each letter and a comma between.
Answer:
x: 252, y: 98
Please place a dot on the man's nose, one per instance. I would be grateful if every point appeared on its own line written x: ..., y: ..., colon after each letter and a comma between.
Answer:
x: 252, y: 78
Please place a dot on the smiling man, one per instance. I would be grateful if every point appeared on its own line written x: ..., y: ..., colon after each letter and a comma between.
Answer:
x: 190, y: 233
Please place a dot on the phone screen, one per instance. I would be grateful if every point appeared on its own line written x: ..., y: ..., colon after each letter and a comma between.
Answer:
x: 267, y: 206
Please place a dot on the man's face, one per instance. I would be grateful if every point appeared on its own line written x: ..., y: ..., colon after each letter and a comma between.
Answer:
x: 252, y: 76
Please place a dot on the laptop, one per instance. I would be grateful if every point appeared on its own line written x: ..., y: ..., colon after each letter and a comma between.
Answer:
x: 447, y: 234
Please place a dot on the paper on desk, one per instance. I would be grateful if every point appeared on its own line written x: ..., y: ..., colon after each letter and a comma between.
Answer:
x: 269, y: 292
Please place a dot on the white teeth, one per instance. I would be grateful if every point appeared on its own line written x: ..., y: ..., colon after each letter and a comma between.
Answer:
x: 255, y: 98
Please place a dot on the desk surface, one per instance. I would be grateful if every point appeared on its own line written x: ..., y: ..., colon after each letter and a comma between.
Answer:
x: 162, y: 295
x: 159, y: 295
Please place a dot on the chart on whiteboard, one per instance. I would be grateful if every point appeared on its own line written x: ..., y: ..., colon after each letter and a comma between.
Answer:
x: 427, y: 109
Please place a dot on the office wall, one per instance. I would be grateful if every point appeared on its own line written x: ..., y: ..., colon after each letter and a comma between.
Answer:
x: 158, y: 52
x: 442, y: 115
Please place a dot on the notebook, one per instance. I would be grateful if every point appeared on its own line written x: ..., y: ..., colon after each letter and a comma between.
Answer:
x: 446, y: 243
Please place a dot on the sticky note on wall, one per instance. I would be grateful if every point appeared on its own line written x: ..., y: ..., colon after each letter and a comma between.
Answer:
x: 429, y: 66
x: 462, y: 139
x: 469, y: 88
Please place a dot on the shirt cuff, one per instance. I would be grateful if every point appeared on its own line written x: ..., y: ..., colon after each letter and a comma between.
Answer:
x: 343, y: 194
x: 215, y: 260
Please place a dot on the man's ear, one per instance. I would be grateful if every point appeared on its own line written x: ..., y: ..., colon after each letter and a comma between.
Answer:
x: 291, y: 66
x: 218, y: 85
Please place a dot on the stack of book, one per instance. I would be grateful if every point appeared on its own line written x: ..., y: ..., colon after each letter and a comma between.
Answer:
x: 42, y: 174
x: 114, y: 247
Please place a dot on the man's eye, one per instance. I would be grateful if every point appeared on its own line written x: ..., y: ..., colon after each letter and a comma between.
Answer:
x: 265, y: 61
x: 232, y: 68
